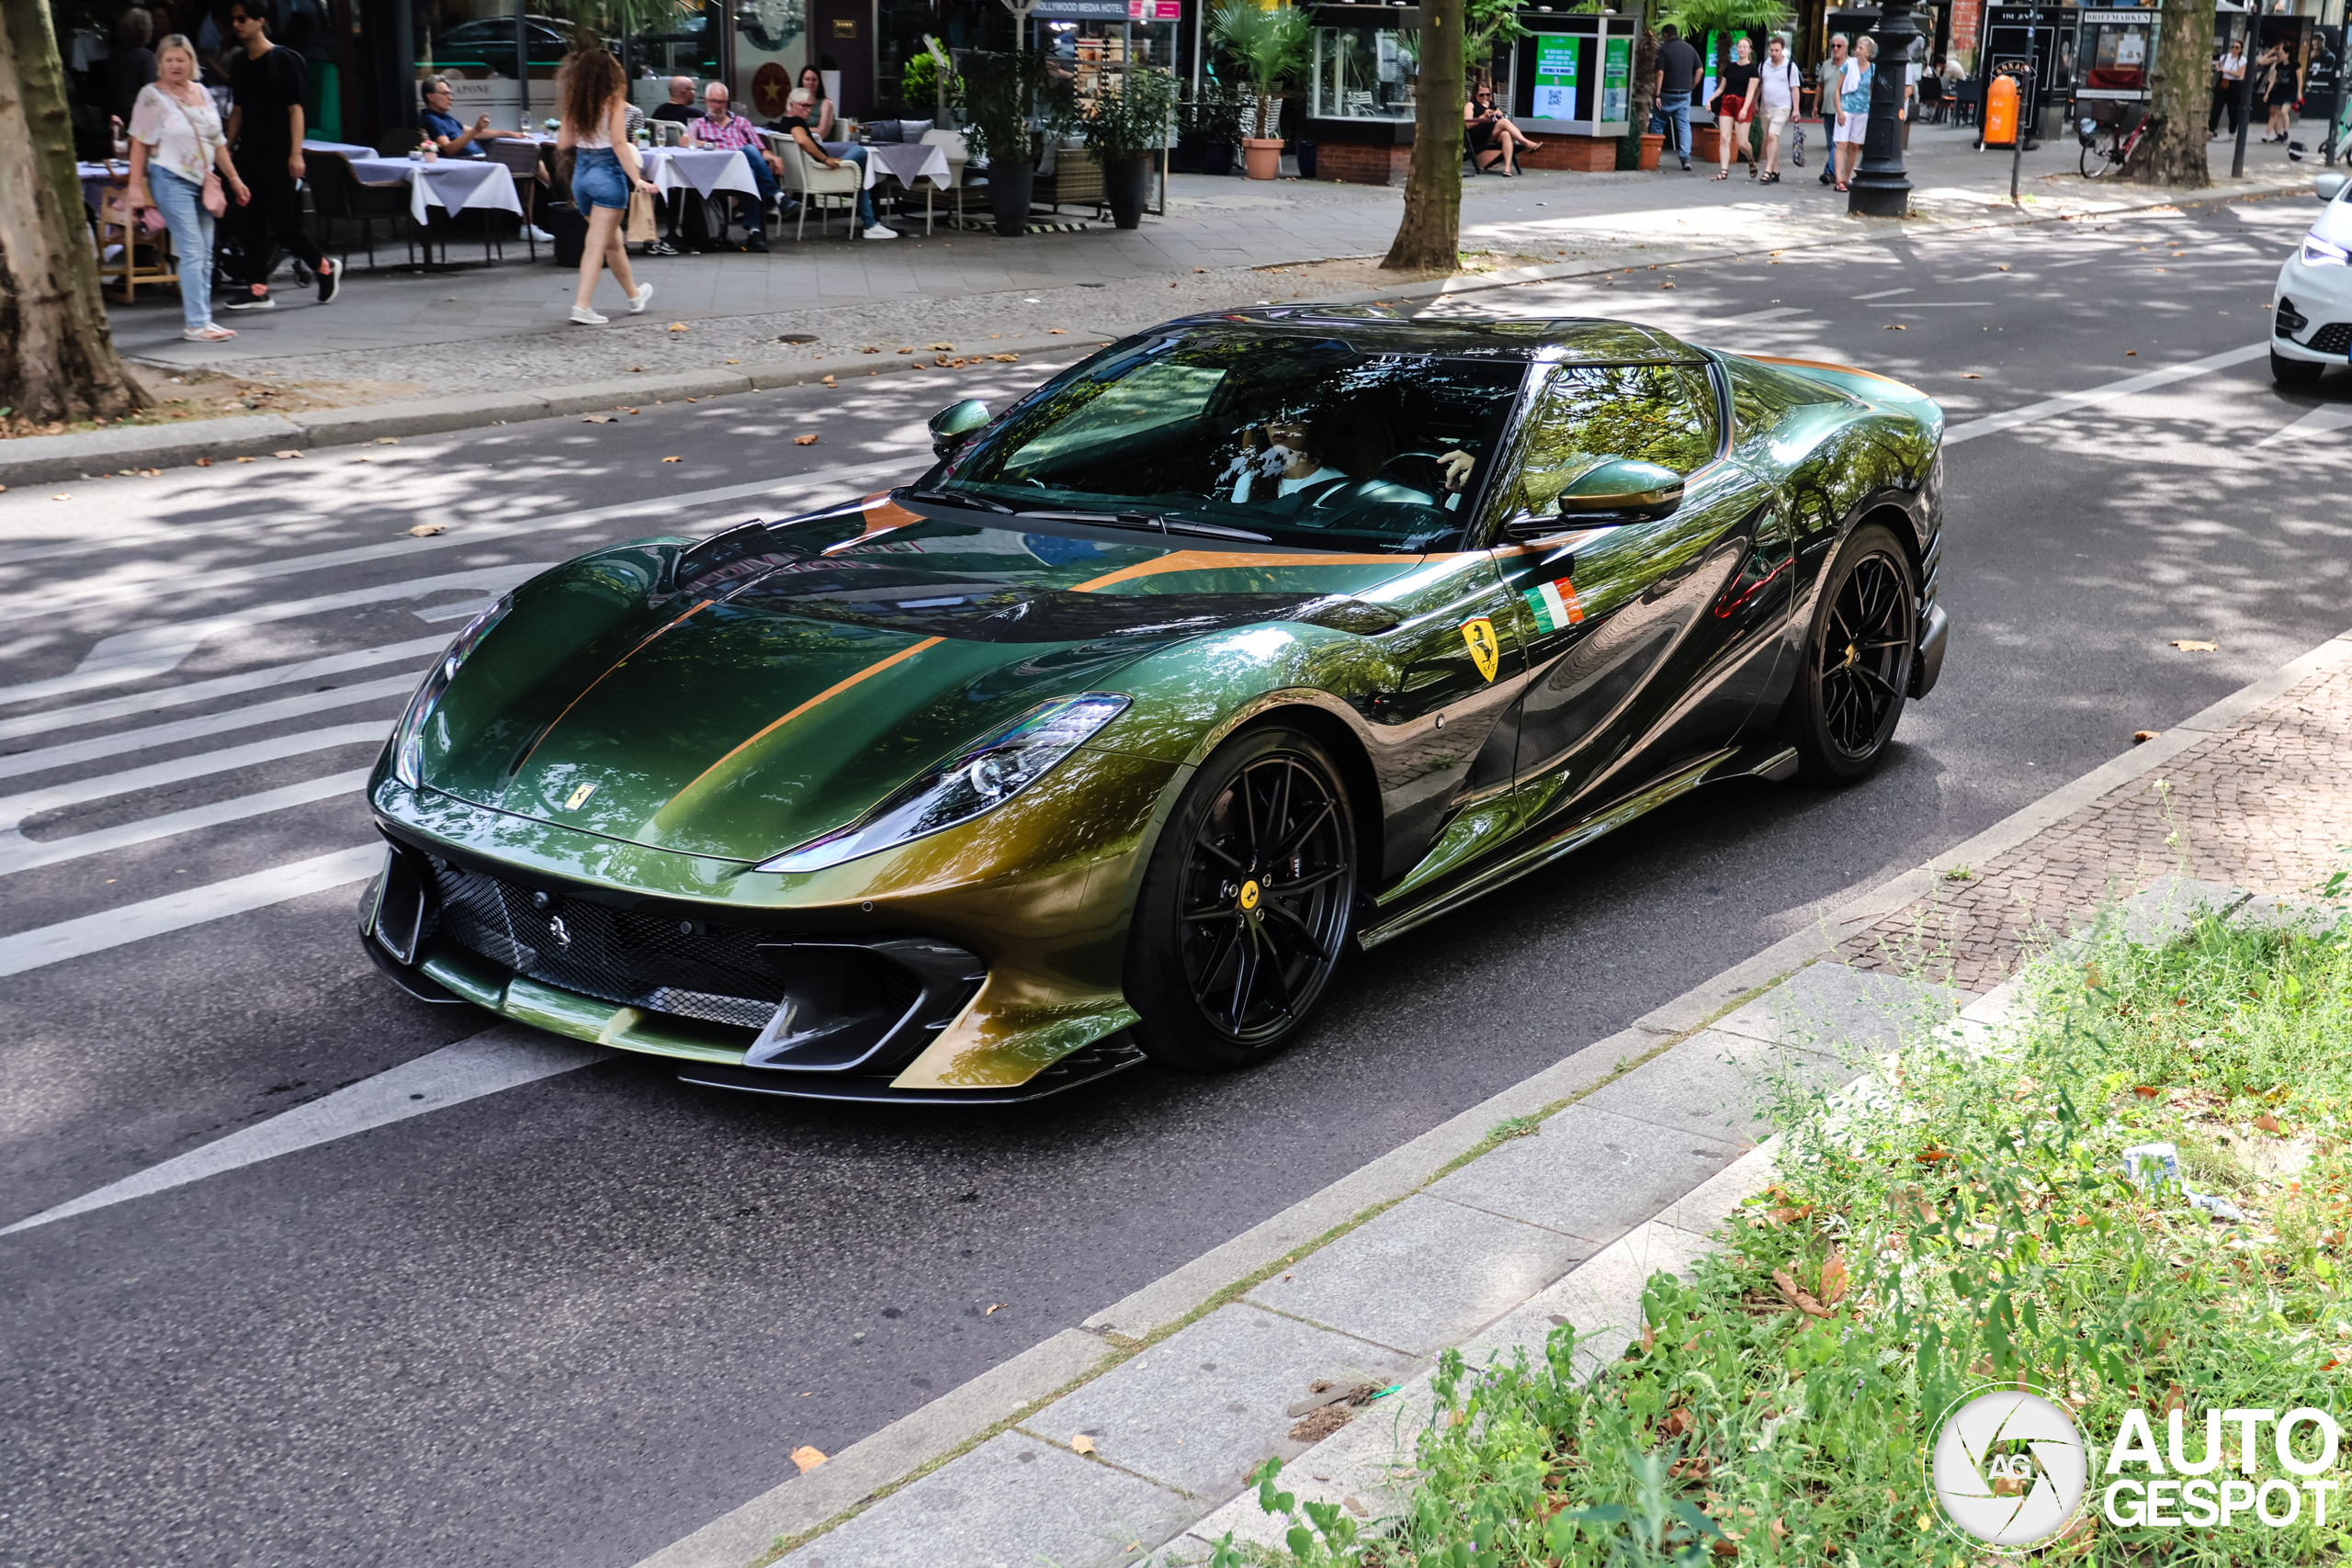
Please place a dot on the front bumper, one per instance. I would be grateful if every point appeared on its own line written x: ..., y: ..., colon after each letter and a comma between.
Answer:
x: 2312, y: 319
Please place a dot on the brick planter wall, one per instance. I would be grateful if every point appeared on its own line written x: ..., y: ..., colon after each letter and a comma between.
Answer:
x: 1581, y: 155
x: 1353, y: 163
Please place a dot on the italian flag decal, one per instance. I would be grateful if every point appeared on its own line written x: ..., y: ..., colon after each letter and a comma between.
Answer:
x: 1555, y: 605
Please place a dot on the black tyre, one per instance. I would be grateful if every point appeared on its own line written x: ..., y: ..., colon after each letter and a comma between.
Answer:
x: 2295, y: 372
x: 2093, y: 161
x: 1856, y: 659
x: 1244, y: 910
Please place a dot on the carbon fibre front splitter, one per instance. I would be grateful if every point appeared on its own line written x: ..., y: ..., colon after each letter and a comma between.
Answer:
x: 1089, y: 1066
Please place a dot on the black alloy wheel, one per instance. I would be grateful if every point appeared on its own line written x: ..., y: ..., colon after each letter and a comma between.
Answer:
x: 1245, y: 909
x: 1857, y: 667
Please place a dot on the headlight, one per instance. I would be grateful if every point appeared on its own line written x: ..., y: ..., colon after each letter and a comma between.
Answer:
x: 2320, y: 253
x: 408, y: 740
x: 991, y: 772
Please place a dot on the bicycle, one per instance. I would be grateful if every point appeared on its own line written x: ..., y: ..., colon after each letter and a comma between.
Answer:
x: 2097, y: 160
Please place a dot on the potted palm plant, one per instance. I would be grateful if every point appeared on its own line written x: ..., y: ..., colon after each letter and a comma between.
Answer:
x: 1272, y: 44
x: 1000, y: 91
x: 1716, y: 22
x: 1128, y: 123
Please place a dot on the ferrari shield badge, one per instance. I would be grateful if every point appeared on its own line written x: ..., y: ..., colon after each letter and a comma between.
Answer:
x: 578, y: 797
x: 1484, y: 651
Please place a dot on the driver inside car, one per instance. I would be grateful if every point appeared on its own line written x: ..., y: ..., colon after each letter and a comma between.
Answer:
x: 1336, y: 456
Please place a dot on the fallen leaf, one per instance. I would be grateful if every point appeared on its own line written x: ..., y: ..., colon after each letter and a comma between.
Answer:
x: 2003, y: 265
x: 2191, y: 645
x: 599, y: 418
x: 943, y: 348
x: 906, y: 350
x: 60, y: 497
x: 1081, y: 1444
x: 245, y: 459
x: 1897, y: 327
x: 829, y: 381
x: 387, y: 441
x: 1796, y: 1295
x: 2141, y: 737
x: 426, y: 530
x: 204, y: 462
x: 861, y: 351
x: 739, y: 361
x: 1833, y: 1279
x: 1929, y: 1157
x: 363, y: 460
x: 807, y: 1458
x: 2146, y: 1091
x: 1058, y: 332
x: 629, y: 410
x: 677, y: 327
x: 2266, y: 1121
x: 1666, y: 285
x: 804, y: 441
x: 2131, y: 353
x: 1779, y: 1531
x: 1200, y: 269
x: 997, y: 1308
x: 1171, y: 285
x: 1970, y: 376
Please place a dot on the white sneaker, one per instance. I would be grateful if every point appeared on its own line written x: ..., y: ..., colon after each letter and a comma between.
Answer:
x: 588, y: 318
x: 541, y: 235
x: 639, y: 300
x: 880, y: 232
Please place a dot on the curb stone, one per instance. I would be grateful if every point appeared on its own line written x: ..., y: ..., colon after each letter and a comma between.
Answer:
x: 48, y: 458
x: 1600, y: 1295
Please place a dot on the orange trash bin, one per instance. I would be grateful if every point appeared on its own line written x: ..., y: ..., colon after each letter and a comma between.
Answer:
x: 2001, y: 112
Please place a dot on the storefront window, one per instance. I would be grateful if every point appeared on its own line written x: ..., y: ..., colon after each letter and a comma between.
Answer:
x: 476, y: 45
x: 771, y: 46
x: 1364, y: 74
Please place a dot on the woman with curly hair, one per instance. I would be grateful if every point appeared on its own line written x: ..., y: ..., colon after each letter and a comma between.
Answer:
x: 605, y: 169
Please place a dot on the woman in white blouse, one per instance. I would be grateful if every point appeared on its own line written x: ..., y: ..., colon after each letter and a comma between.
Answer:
x: 175, y: 141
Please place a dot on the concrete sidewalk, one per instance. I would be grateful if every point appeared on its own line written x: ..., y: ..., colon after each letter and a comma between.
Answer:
x: 1551, y: 1204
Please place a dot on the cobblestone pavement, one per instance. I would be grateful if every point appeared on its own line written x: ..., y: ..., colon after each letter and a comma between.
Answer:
x: 485, y: 329
x: 2265, y: 805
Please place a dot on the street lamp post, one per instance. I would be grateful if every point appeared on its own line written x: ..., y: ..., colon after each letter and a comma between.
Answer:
x: 1881, y: 187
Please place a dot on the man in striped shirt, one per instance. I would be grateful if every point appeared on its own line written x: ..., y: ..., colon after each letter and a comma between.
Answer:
x: 722, y: 128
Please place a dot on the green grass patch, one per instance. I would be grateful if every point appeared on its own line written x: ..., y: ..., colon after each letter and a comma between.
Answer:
x: 1959, y: 1219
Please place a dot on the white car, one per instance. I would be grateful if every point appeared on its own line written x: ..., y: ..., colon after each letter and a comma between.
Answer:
x: 2313, y: 327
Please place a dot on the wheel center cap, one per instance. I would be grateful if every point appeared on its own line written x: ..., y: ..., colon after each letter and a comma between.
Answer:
x: 1249, y: 899
x: 1850, y: 655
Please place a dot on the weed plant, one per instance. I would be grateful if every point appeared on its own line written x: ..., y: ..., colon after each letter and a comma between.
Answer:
x: 1959, y: 1219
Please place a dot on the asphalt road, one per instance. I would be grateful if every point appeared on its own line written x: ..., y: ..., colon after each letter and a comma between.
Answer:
x: 568, y: 1322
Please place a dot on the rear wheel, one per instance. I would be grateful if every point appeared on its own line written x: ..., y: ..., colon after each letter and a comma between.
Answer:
x: 1858, y: 659
x: 2295, y: 372
x: 2093, y: 161
x: 1244, y: 909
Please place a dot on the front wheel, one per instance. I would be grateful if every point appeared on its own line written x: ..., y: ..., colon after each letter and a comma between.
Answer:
x: 1244, y: 909
x: 2295, y: 372
x: 1858, y: 659
x: 2093, y: 161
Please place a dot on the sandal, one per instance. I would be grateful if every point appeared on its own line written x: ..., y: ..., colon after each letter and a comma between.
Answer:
x: 1771, y: 179
x: 1723, y: 173
x: 1839, y: 186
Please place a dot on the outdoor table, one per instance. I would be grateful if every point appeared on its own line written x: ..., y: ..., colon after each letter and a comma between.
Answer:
x: 96, y: 177
x: 705, y: 170
x: 907, y: 162
x: 452, y: 185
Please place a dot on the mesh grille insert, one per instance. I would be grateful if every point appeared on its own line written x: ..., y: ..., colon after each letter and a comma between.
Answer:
x: 2333, y: 338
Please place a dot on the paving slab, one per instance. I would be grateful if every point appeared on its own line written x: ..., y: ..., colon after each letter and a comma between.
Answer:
x: 1717, y: 1085
x: 1423, y: 1275
x: 1588, y: 1172
x: 1013, y: 1501
x: 1602, y: 1300
x: 1828, y: 1006
x: 1207, y: 1405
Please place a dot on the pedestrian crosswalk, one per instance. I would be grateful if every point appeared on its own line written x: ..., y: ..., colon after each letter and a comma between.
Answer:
x: 158, y: 765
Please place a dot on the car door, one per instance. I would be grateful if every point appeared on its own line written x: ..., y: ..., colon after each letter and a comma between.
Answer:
x: 1638, y: 634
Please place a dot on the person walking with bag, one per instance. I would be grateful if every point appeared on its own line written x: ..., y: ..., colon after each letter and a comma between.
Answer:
x: 605, y: 169
x: 1854, y: 107
x: 1736, y: 110
x: 1779, y: 87
x: 180, y: 167
x: 267, y: 86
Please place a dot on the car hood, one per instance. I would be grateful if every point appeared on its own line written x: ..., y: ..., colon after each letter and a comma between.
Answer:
x: 751, y: 714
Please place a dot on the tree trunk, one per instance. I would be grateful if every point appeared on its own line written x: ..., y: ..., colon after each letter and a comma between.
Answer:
x: 2180, y: 93
x: 57, y: 358
x: 1431, y: 235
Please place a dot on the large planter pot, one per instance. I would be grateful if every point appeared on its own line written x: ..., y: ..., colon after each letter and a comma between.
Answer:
x: 1008, y: 187
x: 1123, y: 188
x: 1262, y: 157
x: 1651, y: 147
x: 1704, y: 149
x: 1216, y: 157
x: 1185, y: 158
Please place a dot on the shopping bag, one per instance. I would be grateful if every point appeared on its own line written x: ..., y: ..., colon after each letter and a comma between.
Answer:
x: 1796, y: 148
x: 641, y: 219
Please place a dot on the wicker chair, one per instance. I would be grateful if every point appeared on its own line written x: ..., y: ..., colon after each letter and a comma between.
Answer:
x: 338, y: 193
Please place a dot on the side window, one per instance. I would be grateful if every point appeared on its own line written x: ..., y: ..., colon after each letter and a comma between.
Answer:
x: 1589, y: 413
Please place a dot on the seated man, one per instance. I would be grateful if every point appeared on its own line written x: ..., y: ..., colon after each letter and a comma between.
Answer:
x: 679, y: 110
x: 797, y: 124
x: 1337, y: 455
x: 451, y: 136
x: 720, y: 127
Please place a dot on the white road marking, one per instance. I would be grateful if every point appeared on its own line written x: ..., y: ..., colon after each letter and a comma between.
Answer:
x: 159, y: 649
x: 501, y: 1059
x: 108, y: 708
x: 115, y: 745
x: 2319, y: 422
x: 465, y: 608
x: 1993, y: 423
x: 460, y: 535
x: 1752, y: 319
x: 115, y: 928
x: 14, y: 808
x: 20, y: 853
x: 1937, y: 305
x: 1884, y: 294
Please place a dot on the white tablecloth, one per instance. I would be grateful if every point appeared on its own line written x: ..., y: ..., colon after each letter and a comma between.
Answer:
x: 909, y: 162
x: 452, y: 185
x: 348, y: 149
x: 705, y: 170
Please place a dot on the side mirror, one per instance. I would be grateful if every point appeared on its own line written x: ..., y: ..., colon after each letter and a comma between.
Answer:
x: 956, y: 424
x: 1618, y: 491
x: 2327, y: 187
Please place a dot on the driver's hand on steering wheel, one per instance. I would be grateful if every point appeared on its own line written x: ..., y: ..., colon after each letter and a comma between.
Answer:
x: 1456, y: 465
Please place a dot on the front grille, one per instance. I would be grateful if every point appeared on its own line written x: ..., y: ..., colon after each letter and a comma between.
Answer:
x: 689, y: 968
x: 2333, y: 338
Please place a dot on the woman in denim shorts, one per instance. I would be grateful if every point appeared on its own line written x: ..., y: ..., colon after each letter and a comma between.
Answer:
x: 595, y: 127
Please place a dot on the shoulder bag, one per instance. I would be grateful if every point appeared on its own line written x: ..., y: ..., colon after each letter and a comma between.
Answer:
x: 215, y: 198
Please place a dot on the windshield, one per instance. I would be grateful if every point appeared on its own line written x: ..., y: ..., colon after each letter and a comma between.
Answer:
x: 1302, y: 442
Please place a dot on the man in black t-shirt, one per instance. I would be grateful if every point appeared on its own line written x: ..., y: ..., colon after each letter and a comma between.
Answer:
x: 266, y: 86
x: 1677, y: 77
x: 681, y: 109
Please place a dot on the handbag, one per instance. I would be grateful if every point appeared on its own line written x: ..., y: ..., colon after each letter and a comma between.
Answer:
x: 215, y: 196
x: 641, y: 219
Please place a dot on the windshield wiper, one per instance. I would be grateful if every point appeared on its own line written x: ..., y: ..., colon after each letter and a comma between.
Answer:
x: 945, y: 497
x: 1211, y: 530
x: 1107, y: 519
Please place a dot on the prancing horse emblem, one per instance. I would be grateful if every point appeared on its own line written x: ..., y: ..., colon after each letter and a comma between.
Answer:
x: 555, y: 929
x: 578, y: 797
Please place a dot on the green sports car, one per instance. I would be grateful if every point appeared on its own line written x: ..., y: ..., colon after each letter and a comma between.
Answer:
x: 1249, y: 640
